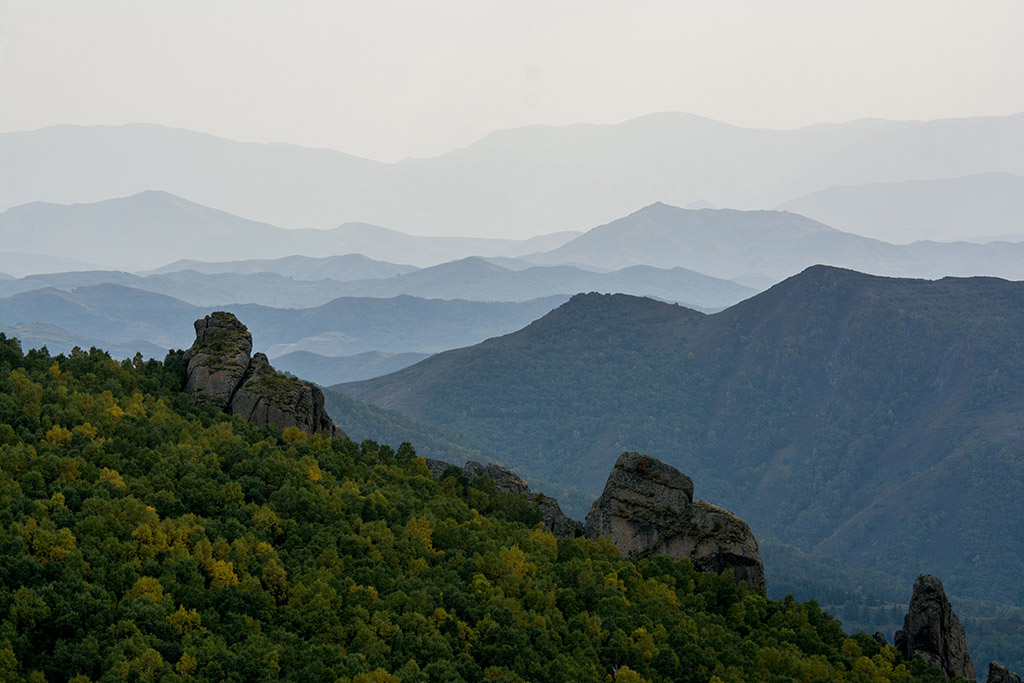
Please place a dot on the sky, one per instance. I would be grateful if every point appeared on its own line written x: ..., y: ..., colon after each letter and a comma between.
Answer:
x: 388, y: 79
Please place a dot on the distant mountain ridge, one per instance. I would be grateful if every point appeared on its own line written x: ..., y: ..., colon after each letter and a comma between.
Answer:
x: 770, y: 245
x: 969, y: 208
x: 346, y: 326
x: 822, y: 411
x: 342, y: 268
x: 147, y: 230
x: 516, y: 182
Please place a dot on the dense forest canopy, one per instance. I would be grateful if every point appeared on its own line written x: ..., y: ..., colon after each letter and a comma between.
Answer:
x: 145, y: 539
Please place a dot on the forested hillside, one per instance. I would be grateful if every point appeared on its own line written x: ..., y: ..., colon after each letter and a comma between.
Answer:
x: 143, y: 539
x: 850, y: 415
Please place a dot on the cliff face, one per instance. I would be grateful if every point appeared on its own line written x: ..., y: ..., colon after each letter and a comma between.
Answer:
x: 647, y: 508
x: 222, y: 373
x: 932, y: 630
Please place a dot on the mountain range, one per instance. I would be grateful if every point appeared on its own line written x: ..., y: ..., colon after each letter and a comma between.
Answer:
x: 751, y: 248
x: 525, y: 181
x: 852, y: 416
x: 472, y: 279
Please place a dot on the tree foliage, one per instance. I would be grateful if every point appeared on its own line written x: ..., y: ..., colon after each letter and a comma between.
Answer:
x: 145, y: 539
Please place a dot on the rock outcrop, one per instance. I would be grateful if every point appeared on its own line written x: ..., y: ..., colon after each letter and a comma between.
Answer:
x: 507, y: 481
x: 647, y: 507
x: 556, y: 520
x: 997, y: 673
x: 218, y: 360
x: 932, y: 630
x: 221, y: 372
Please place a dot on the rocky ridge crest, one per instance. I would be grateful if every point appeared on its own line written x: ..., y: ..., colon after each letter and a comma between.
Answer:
x: 222, y: 372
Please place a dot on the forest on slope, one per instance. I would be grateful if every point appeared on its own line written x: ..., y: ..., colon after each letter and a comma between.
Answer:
x: 143, y: 538
x: 853, y: 416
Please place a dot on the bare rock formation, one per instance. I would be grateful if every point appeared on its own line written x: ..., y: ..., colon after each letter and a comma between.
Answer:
x: 997, y: 673
x: 647, y: 508
x: 221, y: 372
x: 507, y: 481
x: 556, y: 520
x: 218, y: 360
x: 716, y: 540
x: 932, y: 630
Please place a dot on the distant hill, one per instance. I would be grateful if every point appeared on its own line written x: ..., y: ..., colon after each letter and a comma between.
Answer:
x: 514, y: 182
x: 149, y: 229
x: 750, y: 246
x: 57, y: 340
x: 347, y: 326
x: 341, y: 268
x: 853, y: 416
x: 326, y: 370
x: 989, y: 204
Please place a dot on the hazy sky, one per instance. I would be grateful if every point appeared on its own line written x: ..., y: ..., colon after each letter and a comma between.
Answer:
x: 387, y: 79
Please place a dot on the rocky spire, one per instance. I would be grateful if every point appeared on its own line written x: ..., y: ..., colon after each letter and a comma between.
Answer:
x: 932, y: 630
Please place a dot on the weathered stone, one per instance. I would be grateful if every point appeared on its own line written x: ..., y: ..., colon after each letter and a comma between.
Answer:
x: 716, y: 540
x: 880, y: 638
x: 439, y: 467
x: 555, y: 520
x: 505, y: 480
x: 270, y: 397
x: 641, y: 506
x: 647, y: 508
x: 932, y: 630
x: 218, y: 360
x: 222, y: 373
x: 997, y: 673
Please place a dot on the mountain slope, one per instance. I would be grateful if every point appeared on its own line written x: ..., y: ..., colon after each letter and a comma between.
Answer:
x: 148, y: 538
x: 990, y: 204
x: 516, y: 182
x: 823, y: 411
